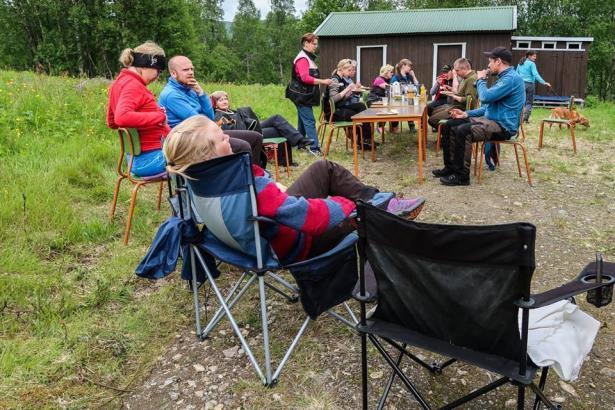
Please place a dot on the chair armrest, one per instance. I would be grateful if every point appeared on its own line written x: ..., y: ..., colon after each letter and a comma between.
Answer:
x: 581, y: 284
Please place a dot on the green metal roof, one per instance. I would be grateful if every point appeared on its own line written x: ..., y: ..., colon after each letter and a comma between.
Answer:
x: 365, y: 23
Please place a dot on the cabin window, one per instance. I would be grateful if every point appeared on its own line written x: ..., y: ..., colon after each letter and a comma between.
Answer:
x: 548, y: 45
x: 523, y: 44
x: 573, y: 46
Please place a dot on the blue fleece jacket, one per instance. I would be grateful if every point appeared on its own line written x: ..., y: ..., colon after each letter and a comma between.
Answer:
x: 182, y: 102
x: 502, y: 102
x: 529, y: 73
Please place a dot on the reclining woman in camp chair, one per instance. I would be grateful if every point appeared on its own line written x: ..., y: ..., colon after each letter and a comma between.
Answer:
x: 312, y: 214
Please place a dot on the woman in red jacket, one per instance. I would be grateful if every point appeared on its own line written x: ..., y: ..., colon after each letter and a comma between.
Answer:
x: 132, y: 105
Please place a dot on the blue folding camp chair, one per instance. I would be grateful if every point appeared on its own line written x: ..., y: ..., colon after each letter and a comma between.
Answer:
x: 220, y: 194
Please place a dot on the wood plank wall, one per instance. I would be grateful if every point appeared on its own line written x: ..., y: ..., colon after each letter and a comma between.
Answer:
x: 565, y: 70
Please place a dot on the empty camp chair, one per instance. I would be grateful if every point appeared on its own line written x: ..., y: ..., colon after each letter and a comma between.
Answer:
x: 130, y: 143
x: 457, y: 291
x: 517, y: 140
x: 222, y: 197
x: 560, y: 121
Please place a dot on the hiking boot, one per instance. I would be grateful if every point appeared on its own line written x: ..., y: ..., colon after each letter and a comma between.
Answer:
x: 315, y: 151
x: 409, y: 208
x: 454, y: 179
x: 367, y: 144
x: 304, y: 143
x: 442, y: 172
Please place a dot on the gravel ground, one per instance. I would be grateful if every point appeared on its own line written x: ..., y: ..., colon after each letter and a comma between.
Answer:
x: 572, y: 204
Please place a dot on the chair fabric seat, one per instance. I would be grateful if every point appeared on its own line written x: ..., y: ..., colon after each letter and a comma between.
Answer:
x: 163, y: 176
x: 274, y: 140
x: 342, y: 124
x: 496, y: 364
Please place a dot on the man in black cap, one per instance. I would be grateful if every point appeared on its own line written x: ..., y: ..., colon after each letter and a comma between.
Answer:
x: 496, y: 119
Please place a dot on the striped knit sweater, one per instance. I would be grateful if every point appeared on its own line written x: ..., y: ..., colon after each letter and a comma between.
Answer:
x: 299, y: 219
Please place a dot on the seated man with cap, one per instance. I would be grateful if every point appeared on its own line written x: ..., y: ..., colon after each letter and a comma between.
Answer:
x: 496, y: 119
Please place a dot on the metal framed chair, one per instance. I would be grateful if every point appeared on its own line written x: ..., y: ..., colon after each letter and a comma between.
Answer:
x: 131, y: 145
x: 560, y: 121
x: 517, y: 140
x: 458, y: 291
x: 337, y: 126
x: 274, y: 144
x: 221, y: 196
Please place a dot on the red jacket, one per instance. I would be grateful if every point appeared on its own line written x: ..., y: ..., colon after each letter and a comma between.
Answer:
x: 132, y: 105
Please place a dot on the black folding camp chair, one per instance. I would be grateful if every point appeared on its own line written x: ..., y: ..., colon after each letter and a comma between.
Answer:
x: 220, y: 194
x: 457, y: 291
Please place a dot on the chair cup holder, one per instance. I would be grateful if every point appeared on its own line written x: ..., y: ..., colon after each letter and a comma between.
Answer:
x: 602, y: 296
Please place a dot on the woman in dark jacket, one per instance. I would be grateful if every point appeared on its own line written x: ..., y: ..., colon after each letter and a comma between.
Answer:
x: 342, y: 92
x: 303, y: 89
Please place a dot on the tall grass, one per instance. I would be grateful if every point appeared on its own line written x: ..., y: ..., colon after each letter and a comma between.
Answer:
x: 73, y: 316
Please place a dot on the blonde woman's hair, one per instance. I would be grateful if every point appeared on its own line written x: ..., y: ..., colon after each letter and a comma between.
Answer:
x: 187, y: 144
x: 149, y: 47
x: 344, y: 62
x: 385, y: 69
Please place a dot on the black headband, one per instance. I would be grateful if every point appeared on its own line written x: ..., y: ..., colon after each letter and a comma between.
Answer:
x: 149, y: 61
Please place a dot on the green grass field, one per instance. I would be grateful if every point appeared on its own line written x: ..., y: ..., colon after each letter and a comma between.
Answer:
x: 76, y: 325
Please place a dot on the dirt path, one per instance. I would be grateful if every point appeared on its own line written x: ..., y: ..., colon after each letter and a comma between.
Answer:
x: 573, y: 206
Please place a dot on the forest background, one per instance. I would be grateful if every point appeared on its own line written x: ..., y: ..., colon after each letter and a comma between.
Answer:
x: 85, y: 37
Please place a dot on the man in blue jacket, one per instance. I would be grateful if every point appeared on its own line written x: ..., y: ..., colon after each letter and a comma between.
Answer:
x: 183, y: 98
x: 496, y: 119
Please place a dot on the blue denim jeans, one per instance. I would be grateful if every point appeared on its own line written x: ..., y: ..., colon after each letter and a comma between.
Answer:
x: 148, y: 163
x: 530, y: 90
x: 306, y: 124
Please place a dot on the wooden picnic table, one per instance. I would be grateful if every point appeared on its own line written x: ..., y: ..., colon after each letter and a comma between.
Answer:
x: 395, y: 112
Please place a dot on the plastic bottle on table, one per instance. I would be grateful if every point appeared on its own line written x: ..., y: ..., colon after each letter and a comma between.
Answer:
x: 423, y: 93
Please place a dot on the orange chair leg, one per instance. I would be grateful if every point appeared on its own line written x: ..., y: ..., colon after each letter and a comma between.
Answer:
x: 328, y: 145
x: 438, y: 138
x: 480, y: 165
x: 115, y: 195
x: 131, y: 210
x: 574, y: 142
x: 275, y: 160
x: 540, y: 133
x: 527, y: 165
x: 160, y: 195
x: 287, y: 160
x: 517, y: 158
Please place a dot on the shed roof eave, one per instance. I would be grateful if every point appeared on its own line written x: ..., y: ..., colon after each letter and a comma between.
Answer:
x: 323, y: 36
x: 539, y: 38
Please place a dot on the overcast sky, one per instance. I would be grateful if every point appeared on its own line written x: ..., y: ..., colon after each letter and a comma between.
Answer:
x: 230, y: 7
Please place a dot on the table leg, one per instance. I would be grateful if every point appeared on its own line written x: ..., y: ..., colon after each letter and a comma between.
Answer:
x: 355, y: 154
x: 421, y: 132
x: 374, y: 143
x: 424, y: 125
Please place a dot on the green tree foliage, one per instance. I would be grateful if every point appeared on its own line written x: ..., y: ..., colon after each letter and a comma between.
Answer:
x: 318, y: 10
x: 248, y: 40
x: 283, y: 32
